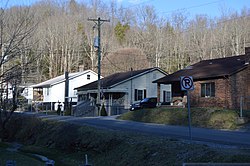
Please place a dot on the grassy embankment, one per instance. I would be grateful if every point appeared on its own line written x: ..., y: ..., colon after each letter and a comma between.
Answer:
x: 67, y: 144
x: 201, y: 117
x: 21, y: 159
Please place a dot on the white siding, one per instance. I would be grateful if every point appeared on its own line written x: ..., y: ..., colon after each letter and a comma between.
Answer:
x: 28, y: 94
x: 164, y: 88
x: 141, y: 83
x: 57, y: 91
x: 80, y: 81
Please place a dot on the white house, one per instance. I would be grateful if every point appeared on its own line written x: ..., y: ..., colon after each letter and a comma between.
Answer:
x: 6, y: 91
x: 27, y: 92
x: 119, y: 90
x: 53, y: 90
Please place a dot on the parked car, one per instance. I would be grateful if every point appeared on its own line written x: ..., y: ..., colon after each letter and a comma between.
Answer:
x: 150, y: 102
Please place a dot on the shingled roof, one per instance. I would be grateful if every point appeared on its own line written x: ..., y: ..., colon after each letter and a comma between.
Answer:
x: 59, y: 79
x: 117, y: 78
x: 209, y: 69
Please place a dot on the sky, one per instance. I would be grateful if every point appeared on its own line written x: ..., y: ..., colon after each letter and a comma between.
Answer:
x: 211, y: 8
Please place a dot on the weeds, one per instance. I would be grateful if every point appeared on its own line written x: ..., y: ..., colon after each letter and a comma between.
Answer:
x: 201, y: 117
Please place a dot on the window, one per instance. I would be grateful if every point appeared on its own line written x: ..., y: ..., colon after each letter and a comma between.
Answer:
x: 208, y: 89
x: 166, y: 96
x: 88, y: 77
x: 140, y: 94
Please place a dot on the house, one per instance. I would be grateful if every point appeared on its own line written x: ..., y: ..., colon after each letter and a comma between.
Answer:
x: 6, y: 92
x: 52, y: 91
x: 119, y: 90
x: 27, y: 92
x: 222, y: 82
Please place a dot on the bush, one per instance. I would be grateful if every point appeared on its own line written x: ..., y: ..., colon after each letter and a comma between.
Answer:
x: 223, y: 119
x: 67, y: 112
x: 58, y: 111
x: 103, y: 111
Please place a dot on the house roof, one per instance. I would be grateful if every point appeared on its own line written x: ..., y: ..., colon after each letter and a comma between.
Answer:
x: 117, y: 78
x: 60, y: 79
x: 209, y: 69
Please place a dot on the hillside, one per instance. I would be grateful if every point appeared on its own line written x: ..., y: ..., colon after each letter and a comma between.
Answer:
x: 67, y: 144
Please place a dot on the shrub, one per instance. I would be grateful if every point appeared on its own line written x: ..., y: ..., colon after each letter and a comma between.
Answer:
x: 223, y: 119
x: 67, y: 112
x: 103, y: 111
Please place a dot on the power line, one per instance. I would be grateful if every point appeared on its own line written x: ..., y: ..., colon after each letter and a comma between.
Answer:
x: 171, y: 11
x: 191, y: 7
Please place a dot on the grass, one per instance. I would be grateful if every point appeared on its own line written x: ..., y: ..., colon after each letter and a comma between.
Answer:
x: 67, y: 145
x: 200, y: 117
x: 20, y: 158
x: 61, y: 158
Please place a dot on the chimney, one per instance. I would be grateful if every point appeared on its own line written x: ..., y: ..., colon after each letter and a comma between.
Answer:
x: 247, y: 53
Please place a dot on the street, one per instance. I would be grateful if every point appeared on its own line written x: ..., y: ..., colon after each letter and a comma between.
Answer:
x: 238, y: 138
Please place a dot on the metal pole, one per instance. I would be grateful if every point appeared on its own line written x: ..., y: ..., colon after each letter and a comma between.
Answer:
x: 99, y: 61
x: 189, y: 115
x: 99, y: 23
x: 66, y: 90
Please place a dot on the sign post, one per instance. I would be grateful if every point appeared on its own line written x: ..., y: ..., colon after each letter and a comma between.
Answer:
x: 187, y: 84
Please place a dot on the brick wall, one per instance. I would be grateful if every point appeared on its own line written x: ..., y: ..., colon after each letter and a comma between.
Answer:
x: 220, y: 99
x: 227, y: 91
x: 240, y: 86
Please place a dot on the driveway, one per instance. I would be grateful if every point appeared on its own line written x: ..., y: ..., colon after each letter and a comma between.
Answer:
x: 239, y: 138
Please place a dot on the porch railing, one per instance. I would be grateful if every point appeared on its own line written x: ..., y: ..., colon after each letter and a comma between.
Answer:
x: 86, y: 108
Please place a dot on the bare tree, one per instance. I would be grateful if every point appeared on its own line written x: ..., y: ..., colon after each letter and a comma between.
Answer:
x: 124, y: 59
x: 16, y: 28
x: 172, y: 42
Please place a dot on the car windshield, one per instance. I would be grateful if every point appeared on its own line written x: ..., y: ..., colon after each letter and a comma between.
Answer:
x: 145, y: 100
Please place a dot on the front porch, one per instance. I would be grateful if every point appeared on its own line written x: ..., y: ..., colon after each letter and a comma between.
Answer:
x: 115, y: 103
x: 177, y: 98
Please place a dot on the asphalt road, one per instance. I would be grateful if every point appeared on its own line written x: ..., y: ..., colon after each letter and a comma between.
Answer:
x: 238, y: 138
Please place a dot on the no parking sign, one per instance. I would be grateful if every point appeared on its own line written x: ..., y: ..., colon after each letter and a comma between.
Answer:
x: 187, y: 83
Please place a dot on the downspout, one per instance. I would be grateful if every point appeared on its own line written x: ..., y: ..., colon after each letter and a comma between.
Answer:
x: 158, y: 93
x: 131, y: 88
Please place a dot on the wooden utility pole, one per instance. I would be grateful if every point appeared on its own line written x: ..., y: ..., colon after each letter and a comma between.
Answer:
x: 98, y: 22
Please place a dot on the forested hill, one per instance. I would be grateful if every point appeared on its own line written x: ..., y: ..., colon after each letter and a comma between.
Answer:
x: 62, y: 37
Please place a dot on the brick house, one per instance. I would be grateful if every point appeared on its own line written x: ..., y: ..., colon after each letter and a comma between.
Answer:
x: 219, y: 82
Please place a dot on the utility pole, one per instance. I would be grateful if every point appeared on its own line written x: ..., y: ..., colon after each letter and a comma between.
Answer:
x: 99, y: 22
